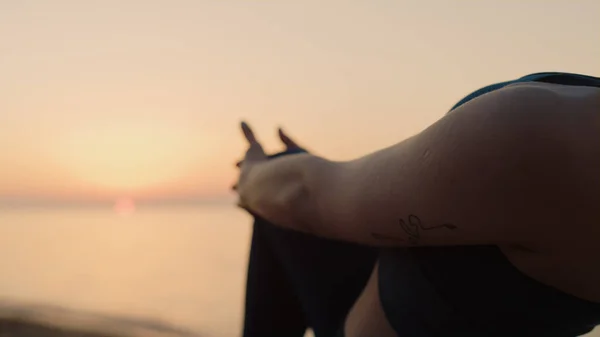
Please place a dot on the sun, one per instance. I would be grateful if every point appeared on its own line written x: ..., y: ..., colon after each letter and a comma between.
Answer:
x: 124, y: 206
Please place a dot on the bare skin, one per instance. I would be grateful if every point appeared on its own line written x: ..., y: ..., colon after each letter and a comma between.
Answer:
x: 367, y: 317
x: 517, y: 168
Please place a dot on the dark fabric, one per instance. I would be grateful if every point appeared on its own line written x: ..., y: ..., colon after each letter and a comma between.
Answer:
x: 297, y: 281
x: 272, y: 306
x: 472, y: 292
x: 476, y: 291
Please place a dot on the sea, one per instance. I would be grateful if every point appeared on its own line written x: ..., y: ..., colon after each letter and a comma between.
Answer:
x: 158, y: 271
x: 174, y: 267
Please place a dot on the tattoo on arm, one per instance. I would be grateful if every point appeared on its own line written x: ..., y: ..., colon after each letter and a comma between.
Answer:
x: 412, y: 228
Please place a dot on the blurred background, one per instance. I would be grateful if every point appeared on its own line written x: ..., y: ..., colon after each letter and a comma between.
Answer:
x: 119, y: 126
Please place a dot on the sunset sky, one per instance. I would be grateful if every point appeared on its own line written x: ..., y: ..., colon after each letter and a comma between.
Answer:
x: 142, y: 98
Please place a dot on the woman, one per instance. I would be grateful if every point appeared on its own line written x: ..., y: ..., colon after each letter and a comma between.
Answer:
x: 487, y: 223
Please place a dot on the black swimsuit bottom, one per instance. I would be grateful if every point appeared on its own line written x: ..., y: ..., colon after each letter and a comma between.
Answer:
x: 475, y: 290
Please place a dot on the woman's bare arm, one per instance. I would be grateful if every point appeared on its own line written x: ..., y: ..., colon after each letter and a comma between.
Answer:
x: 504, y: 169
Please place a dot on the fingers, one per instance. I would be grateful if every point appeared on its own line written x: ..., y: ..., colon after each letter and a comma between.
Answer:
x: 248, y: 134
x: 255, y: 150
x: 286, y: 140
x: 251, y: 138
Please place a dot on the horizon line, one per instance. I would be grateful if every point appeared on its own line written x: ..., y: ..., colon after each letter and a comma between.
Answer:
x: 24, y: 202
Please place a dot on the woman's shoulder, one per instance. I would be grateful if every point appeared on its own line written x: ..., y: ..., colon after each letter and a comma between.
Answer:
x: 551, y: 105
x: 541, y: 90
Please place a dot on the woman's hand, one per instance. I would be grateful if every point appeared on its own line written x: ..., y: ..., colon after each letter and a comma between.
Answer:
x: 290, y: 188
x: 255, y: 156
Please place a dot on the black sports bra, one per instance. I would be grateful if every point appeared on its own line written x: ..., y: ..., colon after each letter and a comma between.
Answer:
x: 475, y: 290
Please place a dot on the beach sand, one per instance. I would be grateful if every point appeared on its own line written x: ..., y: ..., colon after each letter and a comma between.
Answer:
x: 20, y: 320
x: 19, y: 328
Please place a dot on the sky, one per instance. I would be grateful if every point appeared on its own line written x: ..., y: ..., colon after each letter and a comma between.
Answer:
x: 142, y: 98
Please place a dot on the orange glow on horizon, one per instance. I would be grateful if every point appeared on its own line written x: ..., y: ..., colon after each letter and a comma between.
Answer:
x: 124, y: 206
x: 126, y: 156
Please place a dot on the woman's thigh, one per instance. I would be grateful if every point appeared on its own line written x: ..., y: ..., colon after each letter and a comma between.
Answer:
x: 367, y: 318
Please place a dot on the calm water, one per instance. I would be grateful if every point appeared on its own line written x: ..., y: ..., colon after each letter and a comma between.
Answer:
x: 184, y: 266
